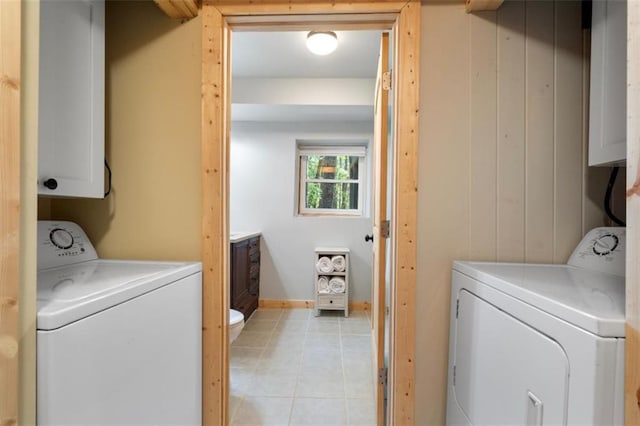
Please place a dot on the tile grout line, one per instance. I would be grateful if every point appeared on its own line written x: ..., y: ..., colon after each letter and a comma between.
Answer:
x: 295, y: 387
x: 344, y: 376
x: 299, y: 373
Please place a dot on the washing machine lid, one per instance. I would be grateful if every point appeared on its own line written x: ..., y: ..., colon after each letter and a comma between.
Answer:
x: 591, y: 300
x: 69, y: 293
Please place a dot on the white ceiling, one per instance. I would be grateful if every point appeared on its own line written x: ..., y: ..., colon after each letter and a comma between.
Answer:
x: 300, y: 113
x: 284, y: 55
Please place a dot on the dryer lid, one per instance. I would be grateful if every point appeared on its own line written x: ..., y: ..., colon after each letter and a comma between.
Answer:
x: 591, y: 300
x: 69, y: 293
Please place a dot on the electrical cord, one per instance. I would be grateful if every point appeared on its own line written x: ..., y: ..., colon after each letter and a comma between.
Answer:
x: 106, y: 164
x: 607, y: 197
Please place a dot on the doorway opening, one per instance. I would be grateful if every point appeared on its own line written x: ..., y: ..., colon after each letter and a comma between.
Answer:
x: 219, y: 19
x: 301, y: 148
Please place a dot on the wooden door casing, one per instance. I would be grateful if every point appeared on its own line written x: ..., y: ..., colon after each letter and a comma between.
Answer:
x: 632, y: 343
x: 218, y: 19
x: 10, y: 154
x: 380, y: 149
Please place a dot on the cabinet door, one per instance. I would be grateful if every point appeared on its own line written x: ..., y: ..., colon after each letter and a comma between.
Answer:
x: 71, y: 98
x: 608, y: 107
x: 254, y: 279
x: 254, y: 267
x: 240, y: 275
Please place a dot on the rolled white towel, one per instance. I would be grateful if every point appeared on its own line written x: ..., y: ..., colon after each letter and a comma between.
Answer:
x: 324, y: 265
x: 323, y: 285
x: 337, y: 285
x: 338, y: 263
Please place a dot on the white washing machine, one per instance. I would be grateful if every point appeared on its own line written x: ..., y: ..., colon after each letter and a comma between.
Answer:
x: 540, y: 344
x: 118, y: 342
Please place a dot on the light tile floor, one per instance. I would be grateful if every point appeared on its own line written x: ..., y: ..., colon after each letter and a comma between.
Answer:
x: 289, y: 367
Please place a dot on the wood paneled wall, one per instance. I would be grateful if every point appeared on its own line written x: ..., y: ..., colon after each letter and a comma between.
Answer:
x: 502, y: 169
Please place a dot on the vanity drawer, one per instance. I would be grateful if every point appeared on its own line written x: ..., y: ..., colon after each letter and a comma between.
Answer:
x: 331, y: 301
x: 254, y: 272
x: 254, y: 245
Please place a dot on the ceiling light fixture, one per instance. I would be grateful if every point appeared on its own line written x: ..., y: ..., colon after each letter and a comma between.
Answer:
x: 322, y: 42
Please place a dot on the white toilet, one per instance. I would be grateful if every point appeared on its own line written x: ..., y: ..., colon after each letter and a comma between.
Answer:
x: 236, y: 324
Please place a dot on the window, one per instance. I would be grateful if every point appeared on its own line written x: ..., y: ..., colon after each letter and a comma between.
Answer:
x: 331, y: 180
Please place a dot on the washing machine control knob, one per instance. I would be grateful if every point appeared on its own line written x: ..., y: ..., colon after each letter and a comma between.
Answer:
x: 605, y: 244
x: 61, y: 238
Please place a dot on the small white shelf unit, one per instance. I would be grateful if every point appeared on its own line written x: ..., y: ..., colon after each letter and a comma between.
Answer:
x: 331, y: 300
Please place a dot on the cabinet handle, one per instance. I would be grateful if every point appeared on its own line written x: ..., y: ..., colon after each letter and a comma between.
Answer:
x: 50, y: 183
x: 368, y: 238
x: 534, y: 410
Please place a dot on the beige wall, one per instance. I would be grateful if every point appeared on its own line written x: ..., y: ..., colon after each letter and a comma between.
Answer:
x: 153, y: 139
x: 502, y: 126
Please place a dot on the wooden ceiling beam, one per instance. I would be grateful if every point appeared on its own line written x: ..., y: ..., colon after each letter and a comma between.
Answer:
x: 236, y: 8
x: 183, y: 9
x: 482, y: 5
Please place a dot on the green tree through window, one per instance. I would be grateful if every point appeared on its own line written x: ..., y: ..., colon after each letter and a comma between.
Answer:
x: 332, y: 182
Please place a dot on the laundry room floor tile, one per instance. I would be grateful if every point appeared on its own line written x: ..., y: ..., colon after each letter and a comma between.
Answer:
x: 317, y: 370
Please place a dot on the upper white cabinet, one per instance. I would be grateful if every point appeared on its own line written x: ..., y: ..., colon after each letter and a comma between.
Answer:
x: 608, y: 101
x: 71, y: 98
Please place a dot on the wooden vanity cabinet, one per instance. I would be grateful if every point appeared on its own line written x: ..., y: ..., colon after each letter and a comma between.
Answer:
x: 245, y: 275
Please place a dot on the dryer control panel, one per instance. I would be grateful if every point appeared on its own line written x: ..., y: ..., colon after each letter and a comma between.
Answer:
x: 62, y: 243
x: 602, y: 249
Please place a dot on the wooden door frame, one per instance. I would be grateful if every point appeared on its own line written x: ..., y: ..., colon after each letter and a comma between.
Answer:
x: 632, y: 331
x: 10, y: 155
x: 218, y: 18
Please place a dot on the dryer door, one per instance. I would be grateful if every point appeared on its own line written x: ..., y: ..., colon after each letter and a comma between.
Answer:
x: 507, y: 372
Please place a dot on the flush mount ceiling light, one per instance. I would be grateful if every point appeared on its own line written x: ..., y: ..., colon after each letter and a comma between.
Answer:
x: 322, y: 42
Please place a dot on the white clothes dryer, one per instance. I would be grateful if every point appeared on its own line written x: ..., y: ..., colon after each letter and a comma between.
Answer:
x: 118, y: 342
x: 540, y: 344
